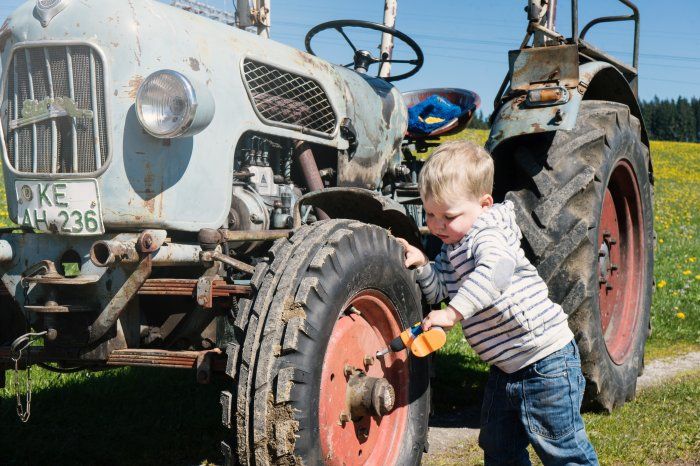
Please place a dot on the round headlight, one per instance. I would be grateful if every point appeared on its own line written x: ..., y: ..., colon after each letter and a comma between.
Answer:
x: 169, y: 105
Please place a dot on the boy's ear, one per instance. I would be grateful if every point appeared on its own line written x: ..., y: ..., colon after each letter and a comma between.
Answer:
x: 486, y: 200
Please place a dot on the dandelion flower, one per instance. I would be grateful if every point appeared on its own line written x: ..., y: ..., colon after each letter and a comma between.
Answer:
x: 697, y: 277
x: 692, y: 259
x: 661, y: 284
x: 680, y: 315
x: 687, y: 272
x: 661, y: 241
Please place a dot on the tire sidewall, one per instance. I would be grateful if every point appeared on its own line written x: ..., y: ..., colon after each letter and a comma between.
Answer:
x: 372, y: 269
x: 625, y: 146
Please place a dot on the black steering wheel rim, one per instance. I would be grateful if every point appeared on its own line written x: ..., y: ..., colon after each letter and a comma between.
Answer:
x: 340, y: 23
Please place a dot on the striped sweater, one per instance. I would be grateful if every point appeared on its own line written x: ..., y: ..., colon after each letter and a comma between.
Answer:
x: 509, y: 319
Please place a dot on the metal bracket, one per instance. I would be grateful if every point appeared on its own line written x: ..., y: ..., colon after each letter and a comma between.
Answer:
x: 204, y: 290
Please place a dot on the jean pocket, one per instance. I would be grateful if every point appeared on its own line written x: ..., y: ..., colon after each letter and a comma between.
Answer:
x: 551, y: 366
x: 550, y: 403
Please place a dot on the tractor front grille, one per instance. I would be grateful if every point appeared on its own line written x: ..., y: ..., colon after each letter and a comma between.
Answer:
x: 289, y: 99
x: 60, y: 145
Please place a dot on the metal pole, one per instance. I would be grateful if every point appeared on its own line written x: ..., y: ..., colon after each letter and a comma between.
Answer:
x: 263, y: 18
x: 552, y: 15
x: 387, y: 47
x: 244, y: 18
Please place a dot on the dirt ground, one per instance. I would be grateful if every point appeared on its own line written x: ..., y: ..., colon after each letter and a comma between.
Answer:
x: 463, y: 426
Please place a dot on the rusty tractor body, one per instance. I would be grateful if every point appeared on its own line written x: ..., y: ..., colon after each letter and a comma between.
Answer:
x: 191, y: 195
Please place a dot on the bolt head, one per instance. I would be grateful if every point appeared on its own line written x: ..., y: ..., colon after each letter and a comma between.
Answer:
x: 348, y: 370
x: 344, y: 417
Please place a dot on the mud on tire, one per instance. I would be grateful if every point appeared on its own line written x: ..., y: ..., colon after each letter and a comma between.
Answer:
x: 558, y: 185
x: 284, y: 333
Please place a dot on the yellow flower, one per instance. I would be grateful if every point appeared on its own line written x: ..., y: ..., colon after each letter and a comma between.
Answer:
x: 680, y: 315
x: 661, y: 284
x: 697, y: 277
x: 661, y: 241
x: 687, y: 272
x: 692, y: 259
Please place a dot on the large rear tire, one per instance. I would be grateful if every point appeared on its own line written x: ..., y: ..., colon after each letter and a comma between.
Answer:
x: 584, y: 204
x: 333, y: 294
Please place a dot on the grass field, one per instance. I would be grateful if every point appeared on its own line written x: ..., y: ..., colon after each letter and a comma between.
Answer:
x: 146, y: 416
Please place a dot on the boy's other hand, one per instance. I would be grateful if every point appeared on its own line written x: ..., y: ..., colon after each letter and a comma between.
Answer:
x: 444, y: 318
x: 414, y: 256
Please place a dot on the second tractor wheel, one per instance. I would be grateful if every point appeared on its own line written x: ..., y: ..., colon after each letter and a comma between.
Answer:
x: 583, y: 199
x: 309, y: 390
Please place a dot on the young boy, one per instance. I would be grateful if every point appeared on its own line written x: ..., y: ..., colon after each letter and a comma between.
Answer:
x: 535, y: 386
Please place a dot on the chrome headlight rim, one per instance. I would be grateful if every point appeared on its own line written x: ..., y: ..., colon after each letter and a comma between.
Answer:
x: 191, y: 100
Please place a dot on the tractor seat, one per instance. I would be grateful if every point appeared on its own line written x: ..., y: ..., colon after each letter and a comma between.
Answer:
x: 439, y: 111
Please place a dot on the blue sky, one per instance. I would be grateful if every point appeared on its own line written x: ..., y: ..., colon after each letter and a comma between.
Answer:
x: 465, y: 42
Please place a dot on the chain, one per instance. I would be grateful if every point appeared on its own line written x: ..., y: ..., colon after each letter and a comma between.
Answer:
x: 16, y: 349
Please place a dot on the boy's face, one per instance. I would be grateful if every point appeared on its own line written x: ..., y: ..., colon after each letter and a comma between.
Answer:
x: 451, y: 220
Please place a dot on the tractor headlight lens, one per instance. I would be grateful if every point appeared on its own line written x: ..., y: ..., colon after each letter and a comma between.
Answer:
x: 169, y: 105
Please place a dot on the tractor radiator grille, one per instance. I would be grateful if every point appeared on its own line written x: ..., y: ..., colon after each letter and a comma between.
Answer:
x: 289, y: 99
x: 61, y: 144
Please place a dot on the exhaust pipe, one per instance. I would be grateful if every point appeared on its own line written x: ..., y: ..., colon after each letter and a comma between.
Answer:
x: 107, y: 253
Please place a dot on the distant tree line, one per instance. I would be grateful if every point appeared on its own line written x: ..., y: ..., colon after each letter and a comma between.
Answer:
x: 666, y: 120
x: 672, y: 120
x: 479, y: 121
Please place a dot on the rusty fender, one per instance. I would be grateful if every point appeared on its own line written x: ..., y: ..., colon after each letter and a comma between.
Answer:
x: 595, y: 80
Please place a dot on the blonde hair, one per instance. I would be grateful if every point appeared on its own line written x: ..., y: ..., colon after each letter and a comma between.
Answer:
x: 457, y: 169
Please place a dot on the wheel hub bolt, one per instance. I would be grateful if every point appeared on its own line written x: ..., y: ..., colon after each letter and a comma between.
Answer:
x: 369, y: 360
x: 348, y: 370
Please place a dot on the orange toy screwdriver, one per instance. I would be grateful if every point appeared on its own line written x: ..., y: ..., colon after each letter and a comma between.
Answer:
x: 419, y: 342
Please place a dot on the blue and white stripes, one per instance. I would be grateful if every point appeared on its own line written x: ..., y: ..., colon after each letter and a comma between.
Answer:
x: 509, y: 319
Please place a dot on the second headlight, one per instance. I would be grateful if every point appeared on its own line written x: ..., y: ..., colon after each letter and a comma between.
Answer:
x: 170, y: 105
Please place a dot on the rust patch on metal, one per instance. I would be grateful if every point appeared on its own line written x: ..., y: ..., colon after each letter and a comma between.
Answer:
x: 133, y: 86
x: 5, y: 34
x: 188, y: 287
x: 150, y: 205
x: 157, y: 358
x: 537, y: 128
x: 194, y: 64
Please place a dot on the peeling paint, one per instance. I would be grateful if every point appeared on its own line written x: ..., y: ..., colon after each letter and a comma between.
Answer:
x: 5, y: 34
x: 133, y: 86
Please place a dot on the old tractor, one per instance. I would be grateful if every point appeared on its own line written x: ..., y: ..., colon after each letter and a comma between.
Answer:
x: 189, y: 194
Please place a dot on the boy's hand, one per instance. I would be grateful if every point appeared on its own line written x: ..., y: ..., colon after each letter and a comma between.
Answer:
x: 414, y: 256
x: 444, y: 318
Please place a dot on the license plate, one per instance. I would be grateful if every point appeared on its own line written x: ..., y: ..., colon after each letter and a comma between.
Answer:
x: 70, y: 207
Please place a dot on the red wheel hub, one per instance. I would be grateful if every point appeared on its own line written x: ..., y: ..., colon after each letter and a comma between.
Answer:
x: 621, y: 261
x: 369, y: 323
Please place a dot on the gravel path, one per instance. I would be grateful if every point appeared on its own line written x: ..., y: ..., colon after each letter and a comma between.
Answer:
x: 463, y: 426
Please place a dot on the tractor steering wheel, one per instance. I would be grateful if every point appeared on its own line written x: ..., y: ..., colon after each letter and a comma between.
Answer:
x: 363, y: 58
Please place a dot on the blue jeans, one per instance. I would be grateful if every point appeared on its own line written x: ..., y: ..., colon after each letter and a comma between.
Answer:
x: 541, y: 405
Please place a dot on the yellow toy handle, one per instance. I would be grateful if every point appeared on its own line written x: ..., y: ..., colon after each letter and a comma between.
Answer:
x: 428, y: 342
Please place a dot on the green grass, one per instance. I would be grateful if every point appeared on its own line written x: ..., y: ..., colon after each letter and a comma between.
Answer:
x: 129, y: 416
x: 660, y: 427
x: 146, y: 416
